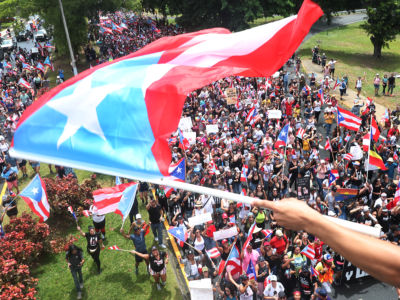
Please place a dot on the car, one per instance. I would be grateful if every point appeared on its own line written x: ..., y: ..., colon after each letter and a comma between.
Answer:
x: 8, y: 45
x: 23, y: 35
x: 40, y: 35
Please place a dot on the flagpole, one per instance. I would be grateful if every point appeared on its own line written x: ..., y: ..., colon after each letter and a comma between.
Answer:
x: 369, y: 148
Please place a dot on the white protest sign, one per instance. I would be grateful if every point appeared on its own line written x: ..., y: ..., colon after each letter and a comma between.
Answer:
x: 185, y: 124
x: 190, y: 136
x: 225, y: 234
x: 201, y: 289
x: 274, y: 114
x: 356, y: 152
x: 200, y: 219
x: 212, y: 129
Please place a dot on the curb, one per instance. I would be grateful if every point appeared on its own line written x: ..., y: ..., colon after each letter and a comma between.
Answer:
x: 178, y: 267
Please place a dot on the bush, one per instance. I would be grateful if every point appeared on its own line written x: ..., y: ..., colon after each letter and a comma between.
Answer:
x: 64, y: 192
x: 23, y: 243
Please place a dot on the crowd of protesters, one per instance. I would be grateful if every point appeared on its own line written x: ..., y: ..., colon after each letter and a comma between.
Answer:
x: 242, y: 157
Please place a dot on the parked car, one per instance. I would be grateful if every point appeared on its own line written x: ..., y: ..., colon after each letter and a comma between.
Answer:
x: 8, y: 45
x: 40, y: 35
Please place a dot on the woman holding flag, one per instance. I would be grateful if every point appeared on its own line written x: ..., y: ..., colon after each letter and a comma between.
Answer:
x: 94, y: 242
x: 99, y: 222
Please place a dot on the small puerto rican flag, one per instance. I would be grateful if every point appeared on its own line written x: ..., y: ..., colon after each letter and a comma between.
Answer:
x: 300, y: 133
x: 115, y: 247
x: 309, y: 252
x: 314, y: 272
x: 213, y: 253
x: 328, y: 146
x: 86, y: 213
x: 333, y: 175
x: 348, y: 156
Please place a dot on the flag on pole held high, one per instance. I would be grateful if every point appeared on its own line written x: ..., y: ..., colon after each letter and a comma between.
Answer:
x: 24, y: 83
x: 40, y: 67
x: 34, y: 194
x: 328, y: 146
x: 179, y: 233
x: 300, y: 133
x: 87, y: 121
x: 348, y: 120
x: 48, y: 63
x: 177, y: 172
x: 375, y: 133
x: 333, y: 175
x: 127, y: 200
x: 282, y: 137
x: 249, y: 236
x: 374, y: 162
x: 106, y: 200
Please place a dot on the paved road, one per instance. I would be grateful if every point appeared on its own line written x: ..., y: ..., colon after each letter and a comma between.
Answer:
x: 370, y: 288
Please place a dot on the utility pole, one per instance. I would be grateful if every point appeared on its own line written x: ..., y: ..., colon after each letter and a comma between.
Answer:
x: 68, y: 40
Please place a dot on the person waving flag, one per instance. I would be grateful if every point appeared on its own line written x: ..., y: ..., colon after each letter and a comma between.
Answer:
x: 87, y: 121
x: 283, y: 137
x: 34, y: 194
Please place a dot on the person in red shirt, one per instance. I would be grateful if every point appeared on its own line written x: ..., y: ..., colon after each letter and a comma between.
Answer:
x: 318, y: 245
x: 279, y: 242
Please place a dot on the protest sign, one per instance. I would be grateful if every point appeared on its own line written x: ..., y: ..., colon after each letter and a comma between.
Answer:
x: 200, y: 219
x: 190, y: 136
x: 352, y: 273
x: 185, y: 124
x: 225, y: 234
x: 201, y: 289
x: 274, y: 114
x: 303, y: 188
x: 212, y: 129
x: 231, y: 96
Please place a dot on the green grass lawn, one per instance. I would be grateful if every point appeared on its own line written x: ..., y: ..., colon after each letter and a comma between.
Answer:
x: 351, y: 47
x: 118, y: 279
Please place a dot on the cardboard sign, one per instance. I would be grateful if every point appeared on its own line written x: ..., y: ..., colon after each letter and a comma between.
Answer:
x: 225, y: 234
x: 231, y: 96
x: 201, y: 289
x: 200, y: 219
x: 185, y: 124
x: 190, y: 136
x: 274, y: 114
x: 212, y: 129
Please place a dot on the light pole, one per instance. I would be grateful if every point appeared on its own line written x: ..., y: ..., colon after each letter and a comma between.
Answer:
x: 68, y: 40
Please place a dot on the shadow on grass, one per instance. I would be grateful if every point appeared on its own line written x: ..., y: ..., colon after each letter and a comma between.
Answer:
x: 125, y: 280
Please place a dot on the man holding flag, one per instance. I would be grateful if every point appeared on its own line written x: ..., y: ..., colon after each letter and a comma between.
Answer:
x: 138, y: 239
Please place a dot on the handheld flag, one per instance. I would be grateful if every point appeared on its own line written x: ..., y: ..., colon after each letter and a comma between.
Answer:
x: 115, y: 247
x: 396, y: 199
x: 314, y: 272
x: 213, y: 253
x: 24, y: 83
x: 48, y: 63
x: 337, y: 83
x: 249, y: 236
x: 374, y: 162
x: 86, y: 213
x: 251, y: 271
x: 26, y: 67
x: 183, y: 142
x: 243, y: 174
x: 87, y: 121
x: 233, y: 263
x: 71, y: 211
x: 328, y: 146
x: 345, y: 194
x: 309, y: 252
x: 300, y: 133
x: 348, y: 120
x: 333, y: 175
x: 34, y: 194
x: 126, y: 202
x: 177, y: 172
x: 107, y: 199
x: 179, y: 233
x: 375, y: 133
x: 40, y: 67
x: 283, y: 136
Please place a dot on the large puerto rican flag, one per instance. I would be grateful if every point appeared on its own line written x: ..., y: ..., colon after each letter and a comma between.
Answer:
x: 116, y: 117
x: 348, y: 120
x: 107, y: 200
x: 34, y: 194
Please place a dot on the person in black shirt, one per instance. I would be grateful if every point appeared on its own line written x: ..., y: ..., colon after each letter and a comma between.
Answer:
x: 155, y: 216
x: 10, y: 205
x: 157, y: 268
x: 307, y: 282
x: 188, y: 204
x: 94, y: 242
x: 74, y: 257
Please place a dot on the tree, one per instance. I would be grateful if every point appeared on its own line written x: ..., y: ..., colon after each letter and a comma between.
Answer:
x: 383, y: 23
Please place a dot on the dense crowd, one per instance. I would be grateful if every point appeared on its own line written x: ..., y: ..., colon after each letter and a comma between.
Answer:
x: 245, y: 155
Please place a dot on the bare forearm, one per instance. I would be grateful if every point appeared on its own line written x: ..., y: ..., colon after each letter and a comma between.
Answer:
x: 378, y: 258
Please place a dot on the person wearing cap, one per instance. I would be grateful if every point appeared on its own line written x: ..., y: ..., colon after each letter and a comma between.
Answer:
x: 325, y: 269
x: 157, y: 265
x: 10, y: 174
x: 192, y: 265
x: 279, y: 242
x: 391, y: 167
x: 246, y: 288
x: 307, y: 282
x: 198, y: 208
x: 156, y: 218
x: 139, y: 241
x: 282, y: 296
x: 94, y: 243
x: 273, y: 288
x: 99, y: 221
x: 262, y: 272
x: 321, y: 294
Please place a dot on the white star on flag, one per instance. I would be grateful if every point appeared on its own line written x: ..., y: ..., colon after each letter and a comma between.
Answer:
x: 35, y: 190
x: 178, y: 232
x: 178, y: 170
x: 80, y: 108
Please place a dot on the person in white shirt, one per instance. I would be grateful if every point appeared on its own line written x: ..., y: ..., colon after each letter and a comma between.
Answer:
x: 208, y: 203
x: 272, y: 289
x: 99, y: 221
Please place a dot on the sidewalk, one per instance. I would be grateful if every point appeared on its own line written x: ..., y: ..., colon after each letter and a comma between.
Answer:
x: 348, y: 100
